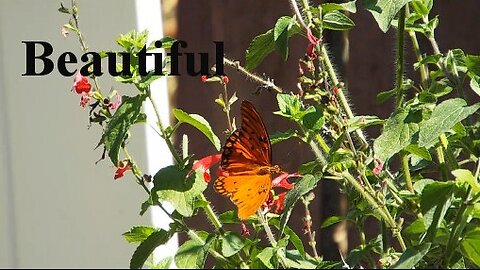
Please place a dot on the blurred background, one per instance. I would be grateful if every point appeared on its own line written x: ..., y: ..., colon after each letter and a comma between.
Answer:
x: 60, y: 209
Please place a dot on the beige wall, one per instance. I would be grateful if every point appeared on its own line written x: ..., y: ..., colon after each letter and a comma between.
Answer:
x: 57, y: 208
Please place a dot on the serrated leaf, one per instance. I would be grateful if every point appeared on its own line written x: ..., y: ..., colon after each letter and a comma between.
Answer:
x: 475, y: 84
x: 470, y: 245
x: 410, y: 258
x: 419, y: 151
x: 199, y: 123
x: 330, y: 221
x: 435, y: 200
x: 385, y: 95
x: 280, y: 35
x: 348, y: 6
x: 231, y: 244
x: 191, y: 255
x: 146, y: 248
x: 473, y: 64
x: 466, y: 176
x: 138, y: 233
x: 335, y: 20
x: 384, y: 11
x: 265, y: 256
x: 261, y: 46
x: 277, y: 137
x: 172, y: 184
x: 443, y: 118
x: 302, y: 187
x: 396, y: 135
x: 125, y: 116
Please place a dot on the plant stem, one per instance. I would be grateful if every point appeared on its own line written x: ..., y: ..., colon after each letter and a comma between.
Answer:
x: 227, y: 107
x: 457, y: 228
x: 194, y: 236
x: 172, y: 149
x: 423, y: 68
x: 452, y: 161
x: 400, y: 58
x: 383, y: 212
x: 308, y: 225
x: 441, y: 161
x: 266, y: 83
x: 271, y: 238
x: 406, y: 170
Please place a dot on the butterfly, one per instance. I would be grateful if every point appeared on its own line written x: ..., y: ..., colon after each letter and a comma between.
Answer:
x: 246, y: 163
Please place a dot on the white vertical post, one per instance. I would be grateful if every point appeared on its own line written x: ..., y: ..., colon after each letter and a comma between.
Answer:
x: 149, y: 17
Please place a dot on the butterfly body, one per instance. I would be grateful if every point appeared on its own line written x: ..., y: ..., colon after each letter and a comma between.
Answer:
x: 247, y: 164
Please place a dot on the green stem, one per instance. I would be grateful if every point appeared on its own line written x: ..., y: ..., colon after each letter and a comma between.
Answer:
x: 271, y: 238
x: 457, y: 229
x: 441, y: 161
x: 406, y: 170
x: 382, y: 211
x: 400, y: 58
x: 194, y: 236
x: 452, y: 161
x: 172, y: 149
x: 423, y: 68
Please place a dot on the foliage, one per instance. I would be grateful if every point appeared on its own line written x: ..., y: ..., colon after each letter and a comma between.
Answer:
x: 431, y: 205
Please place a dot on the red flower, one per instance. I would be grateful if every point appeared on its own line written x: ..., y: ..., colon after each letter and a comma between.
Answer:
x: 204, y: 78
x: 204, y: 165
x: 226, y: 80
x: 378, y: 168
x: 84, y: 99
x: 311, y: 46
x: 116, y: 102
x: 122, y: 167
x: 278, y: 203
x: 81, y: 84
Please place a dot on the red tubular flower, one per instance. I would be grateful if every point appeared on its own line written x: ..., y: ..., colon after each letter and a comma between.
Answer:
x: 84, y: 99
x: 311, y: 46
x: 122, y: 167
x: 81, y: 84
x: 204, y: 78
x: 204, y: 165
x: 281, y: 180
x: 278, y: 203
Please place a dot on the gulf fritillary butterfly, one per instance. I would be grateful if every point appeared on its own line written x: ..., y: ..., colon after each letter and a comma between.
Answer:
x: 247, y: 164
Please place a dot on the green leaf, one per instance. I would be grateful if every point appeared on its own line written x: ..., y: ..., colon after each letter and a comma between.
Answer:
x: 172, y: 184
x: 473, y: 64
x: 410, y: 258
x: 146, y: 248
x: 125, y: 116
x: 348, y: 6
x: 262, y: 45
x: 384, y: 11
x: 435, y: 200
x: 280, y: 35
x: 138, y: 233
x: 419, y: 151
x: 291, y: 107
x: 335, y: 20
x: 330, y: 221
x: 470, y: 245
x: 162, y: 264
x: 416, y: 227
x: 466, y: 176
x: 228, y: 217
x: 475, y: 84
x: 191, y: 255
x: 167, y: 43
x: 313, y: 120
x: 420, y: 7
x: 231, y: 244
x: 265, y: 256
x: 396, y: 135
x: 362, y: 121
x: 443, y: 118
x: 430, y: 59
x: 292, y: 236
x: 282, y: 136
x: 302, y: 187
x: 385, y: 95
x: 199, y: 123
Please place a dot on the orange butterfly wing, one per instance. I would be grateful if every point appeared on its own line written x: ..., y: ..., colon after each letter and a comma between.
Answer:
x: 246, y: 151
